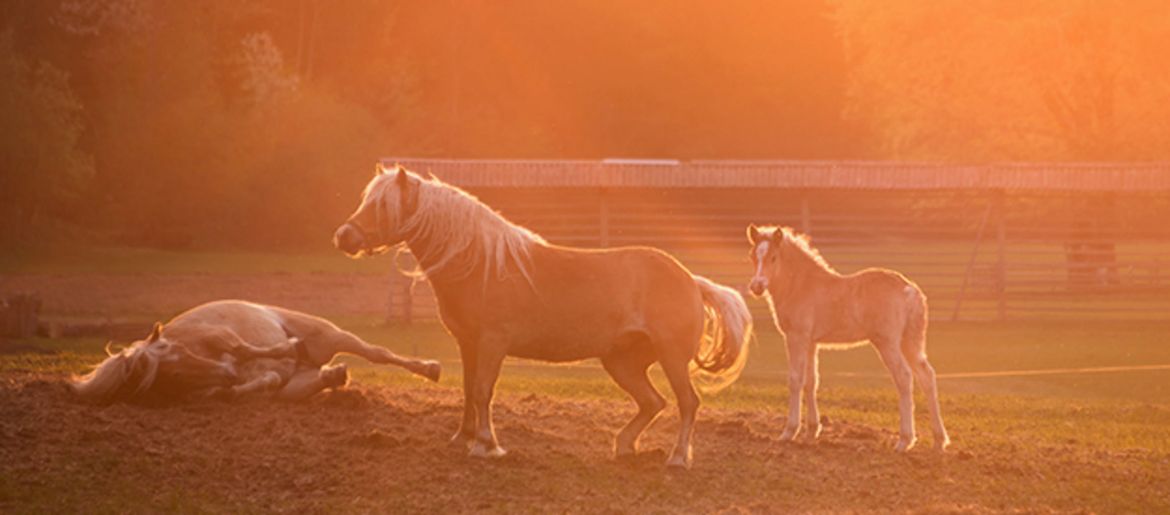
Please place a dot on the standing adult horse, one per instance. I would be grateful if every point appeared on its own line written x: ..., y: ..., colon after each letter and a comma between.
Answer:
x: 503, y: 291
x: 812, y: 304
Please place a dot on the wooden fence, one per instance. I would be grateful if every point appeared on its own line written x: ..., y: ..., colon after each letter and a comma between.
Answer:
x: 980, y: 254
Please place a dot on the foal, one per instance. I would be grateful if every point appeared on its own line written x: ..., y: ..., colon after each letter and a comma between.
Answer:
x: 814, y: 305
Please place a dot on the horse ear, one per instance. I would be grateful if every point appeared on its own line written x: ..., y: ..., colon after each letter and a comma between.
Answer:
x: 155, y: 333
x: 753, y: 234
x: 379, y: 169
x: 402, y: 177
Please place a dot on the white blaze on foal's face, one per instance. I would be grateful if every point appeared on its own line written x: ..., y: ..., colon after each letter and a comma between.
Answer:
x: 760, y: 257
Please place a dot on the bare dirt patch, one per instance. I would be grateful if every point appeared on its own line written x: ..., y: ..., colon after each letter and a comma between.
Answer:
x: 384, y: 449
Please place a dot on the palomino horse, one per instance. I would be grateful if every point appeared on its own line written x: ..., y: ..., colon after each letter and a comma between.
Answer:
x: 229, y: 349
x: 813, y: 305
x: 503, y: 291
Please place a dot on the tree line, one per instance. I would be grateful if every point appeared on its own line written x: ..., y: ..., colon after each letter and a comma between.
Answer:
x: 254, y: 122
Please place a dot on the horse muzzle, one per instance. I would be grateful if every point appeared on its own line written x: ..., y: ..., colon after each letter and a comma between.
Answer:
x: 349, y: 240
x: 758, y: 286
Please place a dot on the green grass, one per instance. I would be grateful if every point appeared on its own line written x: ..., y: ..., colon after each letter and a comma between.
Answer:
x: 1133, y: 407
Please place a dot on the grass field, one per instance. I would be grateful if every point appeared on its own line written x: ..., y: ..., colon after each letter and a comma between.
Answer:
x: 1073, y: 441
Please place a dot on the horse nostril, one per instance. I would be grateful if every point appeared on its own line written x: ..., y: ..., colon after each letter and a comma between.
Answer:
x: 347, y: 239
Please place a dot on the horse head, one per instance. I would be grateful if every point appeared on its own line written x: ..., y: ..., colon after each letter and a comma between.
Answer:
x: 377, y: 225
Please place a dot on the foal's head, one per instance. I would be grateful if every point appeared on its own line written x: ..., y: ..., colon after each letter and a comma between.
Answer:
x: 765, y: 255
x: 387, y: 203
x: 778, y: 250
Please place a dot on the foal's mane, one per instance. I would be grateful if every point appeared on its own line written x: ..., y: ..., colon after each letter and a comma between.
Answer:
x: 802, y: 242
x: 464, y: 232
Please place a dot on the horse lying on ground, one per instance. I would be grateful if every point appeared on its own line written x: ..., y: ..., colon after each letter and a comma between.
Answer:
x: 814, y: 305
x: 231, y: 349
x: 503, y: 291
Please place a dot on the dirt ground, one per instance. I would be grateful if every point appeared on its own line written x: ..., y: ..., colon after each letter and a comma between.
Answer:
x: 384, y: 448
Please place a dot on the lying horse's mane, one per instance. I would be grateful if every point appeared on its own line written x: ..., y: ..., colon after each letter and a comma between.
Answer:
x: 463, y: 232
x: 129, y: 371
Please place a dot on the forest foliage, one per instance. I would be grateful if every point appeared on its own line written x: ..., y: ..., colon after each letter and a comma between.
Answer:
x: 253, y: 123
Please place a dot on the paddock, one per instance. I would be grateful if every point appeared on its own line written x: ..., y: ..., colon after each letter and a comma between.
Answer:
x: 1058, y: 402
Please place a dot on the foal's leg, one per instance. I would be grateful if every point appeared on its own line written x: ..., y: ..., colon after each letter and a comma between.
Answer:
x: 798, y: 355
x: 490, y: 356
x: 812, y: 381
x: 891, y: 355
x: 678, y: 373
x: 628, y: 370
x: 925, y: 375
x: 309, y: 381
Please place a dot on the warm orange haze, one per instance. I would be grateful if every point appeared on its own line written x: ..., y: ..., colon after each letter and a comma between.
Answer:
x: 669, y: 256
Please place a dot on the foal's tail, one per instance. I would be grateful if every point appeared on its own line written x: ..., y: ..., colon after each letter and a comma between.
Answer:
x: 727, y: 331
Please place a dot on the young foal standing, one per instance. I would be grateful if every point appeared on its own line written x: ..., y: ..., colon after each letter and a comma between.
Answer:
x: 812, y: 304
x: 503, y: 291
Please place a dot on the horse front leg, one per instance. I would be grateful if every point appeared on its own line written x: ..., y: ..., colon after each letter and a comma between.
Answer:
x: 465, y: 435
x: 489, y: 358
x: 812, y: 381
x: 798, y: 355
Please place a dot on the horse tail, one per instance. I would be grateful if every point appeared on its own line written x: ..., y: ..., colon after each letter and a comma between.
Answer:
x: 727, y: 331
x: 917, y: 319
x: 113, y: 376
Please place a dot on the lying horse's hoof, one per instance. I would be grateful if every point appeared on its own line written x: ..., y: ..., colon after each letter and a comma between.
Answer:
x: 432, y: 370
x: 479, y: 450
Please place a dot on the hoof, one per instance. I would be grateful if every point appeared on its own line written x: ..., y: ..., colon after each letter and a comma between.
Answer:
x: 812, y: 433
x: 904, y: 444
x: 789, y: 434
x: 479, y: 450
x: 941, y: 445
x: 678, y: 463
x: 461, y: 439
x: 431, y: 370
x: 335, y: 376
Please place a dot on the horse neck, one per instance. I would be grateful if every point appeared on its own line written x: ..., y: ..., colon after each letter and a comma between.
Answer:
x: 799, y: 272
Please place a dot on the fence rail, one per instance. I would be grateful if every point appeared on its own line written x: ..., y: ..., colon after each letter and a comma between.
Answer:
x: 977, y: 253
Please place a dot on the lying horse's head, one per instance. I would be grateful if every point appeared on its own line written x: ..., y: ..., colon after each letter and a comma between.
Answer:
x: 148, y: 364
x: 377, y: 224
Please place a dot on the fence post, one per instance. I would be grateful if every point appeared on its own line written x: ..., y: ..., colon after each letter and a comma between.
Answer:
x: 603, y: 216
x: 971, y: 261
x: 1000, y: 258
x: 19, y: 315
x: 805, y: 215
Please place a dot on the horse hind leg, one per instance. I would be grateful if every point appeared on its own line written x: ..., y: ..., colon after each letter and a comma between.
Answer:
x: 344, y: 341
x: 895, y: 362
x: 678, y: 374
x: 628, y: 370
x: 913, y: 349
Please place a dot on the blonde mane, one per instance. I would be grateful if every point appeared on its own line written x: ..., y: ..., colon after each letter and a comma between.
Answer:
x: 110, y: 378
x: 464, y: 232
x: 800, y: 241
